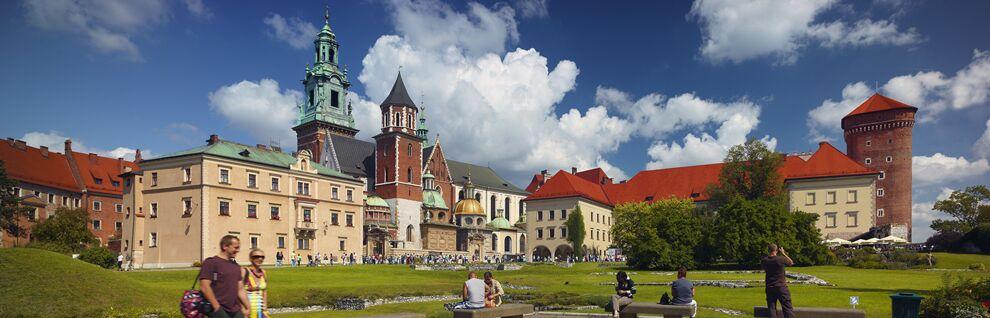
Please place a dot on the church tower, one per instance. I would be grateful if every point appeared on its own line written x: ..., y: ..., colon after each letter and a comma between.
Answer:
x: 878, y: 135
x: 399, y: 162
x: 325, y: 110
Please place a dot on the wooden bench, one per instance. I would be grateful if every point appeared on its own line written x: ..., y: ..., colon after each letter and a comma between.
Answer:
x: 667, y: 311
x: 813, y: 312
x: 505, y: 310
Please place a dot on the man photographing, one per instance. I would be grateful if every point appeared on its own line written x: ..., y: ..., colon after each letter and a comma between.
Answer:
x: 776, y: 280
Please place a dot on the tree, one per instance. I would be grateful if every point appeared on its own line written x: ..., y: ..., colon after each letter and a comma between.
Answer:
x: 575, y: 231
x: 68, y: 227
x: 11, y: 210
x: 744, y: 228
x: 968, y: 208
x: 751, y: 170
x: 664, y: 234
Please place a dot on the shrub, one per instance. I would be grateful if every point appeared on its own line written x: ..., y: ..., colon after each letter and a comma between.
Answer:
x: 197, y: 264
x: 957, y: 298
x: 871, y: 259
x: 99, y: 256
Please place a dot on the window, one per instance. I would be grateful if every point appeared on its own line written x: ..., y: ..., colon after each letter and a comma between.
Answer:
x: 307, y: 215
x: 252, y: 210
x: 302, y: 188
x: 302, y: 244
x: 281, y: 241
x: 254, y: 242
x: 119, y: 208
x: 852, y: 196
x: 880, y: 192
x: 334, y: 219
x: 154, y: 209
x: 350, y: 219
x: 275, y: 210
x: 154, y: 179
x: 550, y: 232
x: 350, y: 195
x: 97, y: 205
x: 153, y: 239
x: 551, y: 214
x: 51, y: 198
x: 869, y: 161
x: 37, y: 194
x: 409, y: 175
x: 274, y: 183
x: 563, y: 215
x: 225, y: 208
x: 408, y: 150
x: 563, y: 232
x: 186, y: 206
x: 118, y: 226
x: 539, y: 233
x: 852, y: 219
x: 186, y: 174
x: 883, y: 175
x: 75, y: 202
x: 224, y: 176
x: 539, y: 215
x: 879, y: 213
x: 889, y: 159
x: 869, y: 143
x: 334, y: 95
x: 252, y: 180
x: 809, y: 199
x: 342, y: 244
x: 115, y: 183
x: 333, y: 193
x: 830, y: 220
x: 97, y: 224
x: 830, y: 197
x: 34, y: 215
x: 98, y: 180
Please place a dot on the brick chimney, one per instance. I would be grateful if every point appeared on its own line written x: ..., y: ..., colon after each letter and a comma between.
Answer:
x: 137, y: 155
x: 68, y: 147
x: 213, y: 139
x: 573, y: 170
x: 44, y: 151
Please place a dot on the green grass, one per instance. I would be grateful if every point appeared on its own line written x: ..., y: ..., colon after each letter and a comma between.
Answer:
x: 960, y: 261
x: 39, y: 283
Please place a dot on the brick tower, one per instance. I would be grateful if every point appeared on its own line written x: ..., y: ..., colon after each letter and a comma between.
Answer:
x: 399, y: 162
x: 878, y: 136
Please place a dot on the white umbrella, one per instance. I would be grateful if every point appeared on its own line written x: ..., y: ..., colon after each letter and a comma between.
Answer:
x: 837, y: 241
x: 859, y: 242
x: 893, y: 239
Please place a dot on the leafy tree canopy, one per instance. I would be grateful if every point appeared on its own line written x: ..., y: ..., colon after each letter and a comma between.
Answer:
x: 67, y: 227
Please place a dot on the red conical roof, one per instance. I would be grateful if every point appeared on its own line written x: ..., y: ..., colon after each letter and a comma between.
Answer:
x: 878, y: 103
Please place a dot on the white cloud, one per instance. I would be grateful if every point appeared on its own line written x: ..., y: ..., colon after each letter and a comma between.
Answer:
x: 741, y: 30
x: 922, y: 215
x: 55, y: 141
x: 932, y: 92
x: 434, y: 26
x: 260, y: 108
x: 982, y: 146
x: 942, y: 169
x: 297, y: 33
x: 198, y: 9
x: 531, y: 8
x: 108, y: 26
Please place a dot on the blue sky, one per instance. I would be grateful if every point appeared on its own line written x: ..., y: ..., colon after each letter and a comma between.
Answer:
x: 520, y: 85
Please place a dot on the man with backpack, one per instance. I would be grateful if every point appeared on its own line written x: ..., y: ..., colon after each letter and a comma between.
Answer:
x: 221, y: 281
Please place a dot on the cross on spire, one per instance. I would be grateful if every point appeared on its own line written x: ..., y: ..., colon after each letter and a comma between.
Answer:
x: 326, y: 14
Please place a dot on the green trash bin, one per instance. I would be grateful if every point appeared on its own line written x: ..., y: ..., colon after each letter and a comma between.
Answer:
x: 905, y: 305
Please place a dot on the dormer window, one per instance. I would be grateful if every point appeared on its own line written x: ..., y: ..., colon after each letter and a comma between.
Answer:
x: 98, y: 180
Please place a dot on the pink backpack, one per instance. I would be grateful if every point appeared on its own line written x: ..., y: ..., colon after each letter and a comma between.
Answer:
x: 193, y: 304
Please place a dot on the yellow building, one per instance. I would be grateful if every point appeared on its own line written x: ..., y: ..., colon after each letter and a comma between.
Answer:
x: 178, y: 206
x: 844, y: 204
x: 547, y: 232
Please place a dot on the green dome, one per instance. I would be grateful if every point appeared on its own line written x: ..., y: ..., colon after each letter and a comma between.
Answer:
x: 377, y: 201
x: 432, y: 199
x: 500, y: 223
x: 428, y: 176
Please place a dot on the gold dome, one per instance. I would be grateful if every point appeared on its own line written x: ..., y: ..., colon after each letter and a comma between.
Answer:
x: 468, y: 206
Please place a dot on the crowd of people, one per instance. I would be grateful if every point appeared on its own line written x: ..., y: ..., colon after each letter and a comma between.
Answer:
x: 584, y: 259
x: 319, y: 259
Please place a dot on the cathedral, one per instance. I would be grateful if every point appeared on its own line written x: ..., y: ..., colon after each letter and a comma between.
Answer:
x: 419, y: 201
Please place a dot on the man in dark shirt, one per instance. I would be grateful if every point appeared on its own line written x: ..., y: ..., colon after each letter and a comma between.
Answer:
x: 683, y: 291
x: 222, y: 283
x: 776, y: 281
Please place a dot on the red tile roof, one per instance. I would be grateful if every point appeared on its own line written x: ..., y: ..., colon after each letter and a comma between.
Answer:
x: 535, y: 183
x: 877, y: 103
x: 29, y: 164
x: 690, y: 182
x: 107, y: 170
x: 596, y: 175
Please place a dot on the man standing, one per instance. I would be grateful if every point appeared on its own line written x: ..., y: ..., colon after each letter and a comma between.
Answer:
x: 683, y: 291
x: 776, y: 281
x: 221, y: 281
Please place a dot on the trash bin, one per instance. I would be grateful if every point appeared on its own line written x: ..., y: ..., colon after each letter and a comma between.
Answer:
x: 905, y: 305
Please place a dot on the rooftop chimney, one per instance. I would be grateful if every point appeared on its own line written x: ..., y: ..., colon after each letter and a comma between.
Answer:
x: 44, y: 151
x: 213, y: 139
x: 68, y: 147
x: 573, y: 170
x: 20, y: 144
x: 137, y: 155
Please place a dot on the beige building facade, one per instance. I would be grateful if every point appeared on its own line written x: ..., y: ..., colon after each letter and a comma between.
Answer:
x: 844, y: 205
x: 177, y: 207
x: 547, y: 234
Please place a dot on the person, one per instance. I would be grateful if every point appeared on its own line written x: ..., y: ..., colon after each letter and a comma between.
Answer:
x: 493, y: 291
x: 256, y: 286
x: 624, y: 290
x: 278, y: 258
x: 292, y: 259
x: 221, y: 283
x: 473, y: 293
x: 683, y: 291
x: 776, y: 280
x: 120, y: 261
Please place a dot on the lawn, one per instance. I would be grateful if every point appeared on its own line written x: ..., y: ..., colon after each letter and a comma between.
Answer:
x: 39, y: 283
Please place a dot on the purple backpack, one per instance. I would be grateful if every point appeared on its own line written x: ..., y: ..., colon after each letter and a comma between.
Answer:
x: 193, y: 304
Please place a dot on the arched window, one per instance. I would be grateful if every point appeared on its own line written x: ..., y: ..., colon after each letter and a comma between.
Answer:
x: 492, y: 211
x: 409, y: 175
x: 331, y: 56
x: 494, y: 242
x: 508, y: 244
x: 409, y: 121
x: 521, y: 209
x: 409, y: 233
x: 522, y: 243
x: 460, y: 195
x: 506, y: 208
x: 477, y: 196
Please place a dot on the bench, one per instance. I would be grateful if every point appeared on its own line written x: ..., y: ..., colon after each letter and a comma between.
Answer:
x: 667, y: 311
x: 505, y: 310
x: 813, y: 312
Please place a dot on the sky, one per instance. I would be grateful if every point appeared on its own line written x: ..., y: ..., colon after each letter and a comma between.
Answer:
x: 520, y: 86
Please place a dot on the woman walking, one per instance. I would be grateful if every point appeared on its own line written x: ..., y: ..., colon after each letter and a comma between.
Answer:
x: 256, y: 285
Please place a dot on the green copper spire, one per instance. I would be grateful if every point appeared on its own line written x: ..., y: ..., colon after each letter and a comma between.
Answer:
x: 421, y: 130
x: 326, y: 83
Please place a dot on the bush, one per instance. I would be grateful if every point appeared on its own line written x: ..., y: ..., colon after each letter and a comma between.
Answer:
x: 197, y: 264
x: 957, y: 298
x: 52, y: 247
x: 871, y: 259
x: 99, y: 256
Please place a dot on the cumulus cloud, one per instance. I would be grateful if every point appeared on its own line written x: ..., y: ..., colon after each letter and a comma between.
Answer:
x: 198, y: 9
x: 922, y: 215
x: 705, y: 148
x: 297, y: 33
x: 55, y: 141
x: 435, y: 26
x: 942, y: 169
x: 982, y: 146
x: 932, y: 92
x: 741, y: 30
x: 260, y: 108
x: 108, y: 26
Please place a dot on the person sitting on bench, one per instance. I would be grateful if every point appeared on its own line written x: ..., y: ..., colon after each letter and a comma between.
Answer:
x: 624, y: 290
x: 683, y: 291
x: 473, y: 293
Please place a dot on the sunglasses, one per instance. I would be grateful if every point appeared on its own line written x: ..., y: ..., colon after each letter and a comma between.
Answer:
x: 257, y: 256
